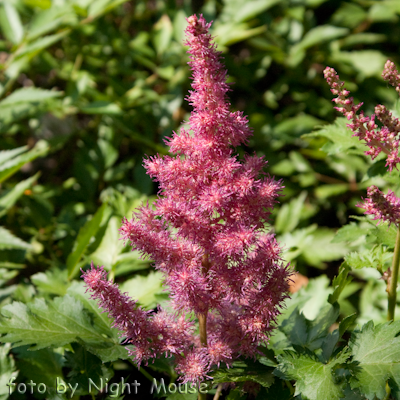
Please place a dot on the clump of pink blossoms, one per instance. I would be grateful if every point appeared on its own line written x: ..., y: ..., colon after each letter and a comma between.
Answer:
x: 206, y: 234
x: 386, y: 139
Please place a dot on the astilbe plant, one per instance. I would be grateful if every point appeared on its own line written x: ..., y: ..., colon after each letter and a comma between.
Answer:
x: 207, y: 234
x: 383, y: 207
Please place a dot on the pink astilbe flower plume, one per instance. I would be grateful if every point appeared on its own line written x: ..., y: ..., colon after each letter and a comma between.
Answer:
x: 384, y: 207
x: 386, y: 139
x: 206, y: 234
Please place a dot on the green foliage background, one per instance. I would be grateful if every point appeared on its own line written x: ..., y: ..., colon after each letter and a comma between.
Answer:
x: 88, y: 87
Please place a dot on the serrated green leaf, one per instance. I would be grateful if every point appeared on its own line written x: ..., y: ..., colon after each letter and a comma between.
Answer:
x: 53, y: 281
x: 378, y: 257
x: 8, y: 199
x: 85, y: 234
x: 349, y: 233
x: 9, y: 241
x: 145, y: 289
x: 340, y: 138
x: 42, y: 324
x: 101, y: 319
x: 306, y: 333
x: 385, y: 234
x: 377, y: 351
x: 7, y: 370
x: 58, y: 322
x: 314, y: 380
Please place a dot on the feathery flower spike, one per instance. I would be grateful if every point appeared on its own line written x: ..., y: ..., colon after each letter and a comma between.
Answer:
x: 205, y: 233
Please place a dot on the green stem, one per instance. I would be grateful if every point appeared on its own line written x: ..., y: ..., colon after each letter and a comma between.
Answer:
x: 393, y: 279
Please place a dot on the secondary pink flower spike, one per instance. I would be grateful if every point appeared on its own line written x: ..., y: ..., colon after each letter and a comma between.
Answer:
x: 383, y: 207
x: 206, y: 234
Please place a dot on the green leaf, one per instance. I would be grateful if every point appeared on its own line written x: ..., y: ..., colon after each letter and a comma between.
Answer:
x: 57, y: 323
x: 385, y: 234
x: 9, y: 241
x: 239, y: 11
x: 7, y: 370
x: 42, y: 324
x: 317, y: 35
x: 10, y: 22
x: 378, y: 257
x: 44, y: 365
x: 340, y: 282
x: 110, y: 246
x: 346, y: 323
x: 183, y: 396
x: 101, y: 319
x: 6, y: 155
x: 377, y: 351
x: 8, y: 199
x: 306, y: 333
x: 320, y: 34
x: 33, y: 48
x: 324, y: 191
x: 53, y: 281
x: 28, y: 95
x: 368, y: 62
x: 229, y: 33
x: 51, y: 19
x: 242, y: 371
x: 289, y: 214
x: 340, y: 138
x: 145, y: 289
x: 105, y: 351
x: 163, y: 31
x: 85, y: 234
x: 100, y: 7
x: 314, y: 380
x: 25, y: 53
x: 11, y: 166
x: 349, y: 233
x: 313, y: 244
x: 101, y: 107
x: 85, y: 367
x: 310, y: 299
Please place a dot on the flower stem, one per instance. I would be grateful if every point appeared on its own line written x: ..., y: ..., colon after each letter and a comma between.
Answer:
x: 393, y: 279
x: 218, y: 392
x: 203, y: 328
